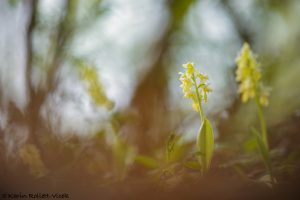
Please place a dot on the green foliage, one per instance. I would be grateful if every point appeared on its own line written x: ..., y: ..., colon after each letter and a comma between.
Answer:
x: 13, y: 3
x: 179, y: 9
x: 205, y: 144
x: 250, y: 145
x: 124, y: 154
x: 173, y: 154
x: 264, y: 151
x: 89, y: 74
x: 170, y: 147
x: 147, y: 161
x: 261, y: 146
x: 192, y: 164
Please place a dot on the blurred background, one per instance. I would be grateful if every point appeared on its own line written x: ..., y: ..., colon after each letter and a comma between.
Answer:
x: 78, y: 78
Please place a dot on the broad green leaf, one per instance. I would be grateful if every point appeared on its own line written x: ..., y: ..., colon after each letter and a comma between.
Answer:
x: 192, y: 164
x: 250, y: 144
x: 205, y: 144
x: 146, y: 161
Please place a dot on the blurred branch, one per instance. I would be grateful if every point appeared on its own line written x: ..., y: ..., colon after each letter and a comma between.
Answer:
x: 240, y: 26
x: 95, y: 9
x: 14, y: 112
x: 225, y: 125
x: 64, y: 33
x: 31, y: 25
x: 150, y: 98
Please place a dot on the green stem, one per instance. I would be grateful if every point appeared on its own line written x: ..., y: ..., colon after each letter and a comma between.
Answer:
x: 201, y: 113
x: 262, y: 122
x: 264, y: 137
x: 202, y: 118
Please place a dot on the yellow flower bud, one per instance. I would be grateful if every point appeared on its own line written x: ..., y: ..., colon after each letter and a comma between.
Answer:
x: 248, y: 73
x: 193, y: 82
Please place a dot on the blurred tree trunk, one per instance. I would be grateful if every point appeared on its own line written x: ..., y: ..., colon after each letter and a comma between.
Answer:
x: 63, y: 36
x: 150, y: 98
x: 242, y: 29
x: 31, y: 117
x: 226, y: 125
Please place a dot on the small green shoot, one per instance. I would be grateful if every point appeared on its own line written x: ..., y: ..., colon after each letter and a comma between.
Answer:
x: 147, y: 161
x: 170, y: 147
